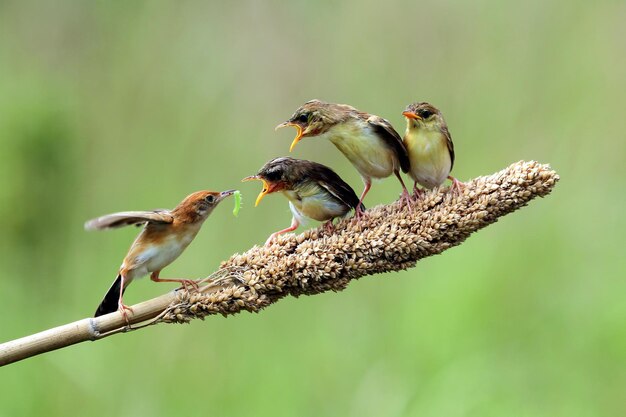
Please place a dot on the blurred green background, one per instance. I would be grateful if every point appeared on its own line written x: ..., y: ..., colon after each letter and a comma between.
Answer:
x: 108, y: 106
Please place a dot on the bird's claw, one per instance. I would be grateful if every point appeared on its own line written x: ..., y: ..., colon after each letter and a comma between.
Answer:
x: 457, y: 186
x: 122, y: 309
x: 406, y: 198
x: 417, y: 193
x: 269, y: 239
x: 359, y: 213
x: 186, y: 283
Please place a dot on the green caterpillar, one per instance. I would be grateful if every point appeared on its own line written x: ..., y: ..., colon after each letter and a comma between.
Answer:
x: 237, y: 196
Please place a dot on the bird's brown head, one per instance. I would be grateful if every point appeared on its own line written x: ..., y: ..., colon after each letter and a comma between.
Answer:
x: 314, y: 118
x: 197, y: 206
x: 423, y: 116
x: 277, y: 175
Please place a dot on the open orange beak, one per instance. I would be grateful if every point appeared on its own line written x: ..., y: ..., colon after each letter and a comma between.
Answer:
x: 411, y: 115
x: 267, y: 187
x: 298, y: 135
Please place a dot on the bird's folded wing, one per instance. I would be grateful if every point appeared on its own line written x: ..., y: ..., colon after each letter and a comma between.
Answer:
x: 340, y: 194
x: 446, y: 132
x: 386, y: 132
x: 338, y: 188
x: 126, y: 218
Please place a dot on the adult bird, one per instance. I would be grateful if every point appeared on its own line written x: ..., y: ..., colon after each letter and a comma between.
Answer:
x: 165, y: 235
x: 368, y: 141
x: 313, y: 190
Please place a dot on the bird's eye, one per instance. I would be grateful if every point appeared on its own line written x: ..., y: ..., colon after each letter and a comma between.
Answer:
x: 303, y: 118
x: 210, y: 199
x: 273, y: 176
x: 425, y: 114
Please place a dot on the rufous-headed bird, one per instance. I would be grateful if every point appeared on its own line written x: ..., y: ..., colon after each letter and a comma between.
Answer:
x: 429, y: 145
x: 313, y: 190
x: 165, y: 235
x: 368, y: 141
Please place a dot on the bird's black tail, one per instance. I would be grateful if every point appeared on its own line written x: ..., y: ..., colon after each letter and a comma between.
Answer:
x: 109, y: 303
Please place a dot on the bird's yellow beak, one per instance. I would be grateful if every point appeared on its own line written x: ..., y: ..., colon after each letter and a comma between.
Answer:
x: 298, y: 135
x: 265, y: 190
x: 411, y: 115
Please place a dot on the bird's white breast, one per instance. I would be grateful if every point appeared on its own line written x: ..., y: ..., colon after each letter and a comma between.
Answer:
x: 316, y: 203
x: 150, y: 257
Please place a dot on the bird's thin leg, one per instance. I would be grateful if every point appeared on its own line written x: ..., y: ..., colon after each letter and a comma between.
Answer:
x: 186, y: 283
x: 368, y: 184
x: 417, y: 193
x: 457, y: 185
x: 405, y: 193
x: 294, y: 225
x: 120, y: 304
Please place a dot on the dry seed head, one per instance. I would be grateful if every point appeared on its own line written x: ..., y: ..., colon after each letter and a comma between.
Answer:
x: 389, y: 238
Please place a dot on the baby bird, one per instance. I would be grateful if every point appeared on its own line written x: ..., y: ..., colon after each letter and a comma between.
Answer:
x: 313, y: 190
x: 368, y: 141
x: 165, y: 235
x: 429, y: 145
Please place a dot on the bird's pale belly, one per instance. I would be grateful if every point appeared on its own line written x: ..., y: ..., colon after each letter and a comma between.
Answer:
x: 318, y: 207
x: 367, y: 152
x: 151, y: 257
x: 430, y: 160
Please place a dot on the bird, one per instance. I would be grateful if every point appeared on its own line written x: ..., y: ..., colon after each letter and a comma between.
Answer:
x: 369, y: 142
x: 165, y: 235
x: 314, y: 191
x: 429, y: 145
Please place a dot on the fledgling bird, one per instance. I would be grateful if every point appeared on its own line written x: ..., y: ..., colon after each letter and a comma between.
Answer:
x: 368, y: 141
x: 165, y: 235
x: 313, y: 190
x: 430, y: 147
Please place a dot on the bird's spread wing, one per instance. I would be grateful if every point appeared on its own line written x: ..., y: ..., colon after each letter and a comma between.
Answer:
x: 446, y: 132
x: 337, y: 187
x: 386, y: 132
x: 125, y: 218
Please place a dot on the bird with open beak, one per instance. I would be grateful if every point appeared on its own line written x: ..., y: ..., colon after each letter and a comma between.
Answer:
x: 368, y: 141
x: 165, y: 235
x: 314, y: 191
x: 430, y: 147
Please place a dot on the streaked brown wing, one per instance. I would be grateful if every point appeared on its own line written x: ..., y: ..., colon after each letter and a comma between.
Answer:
x: 126, y: 218
x: 384, y: 129
x: 446, y: 132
